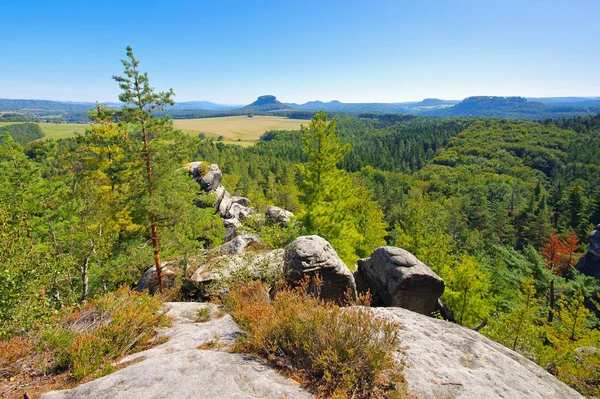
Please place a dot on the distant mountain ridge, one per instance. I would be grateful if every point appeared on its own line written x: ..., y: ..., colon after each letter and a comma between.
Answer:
x: 266, y: 103
x: 477, y: 106
x: 512, y: 108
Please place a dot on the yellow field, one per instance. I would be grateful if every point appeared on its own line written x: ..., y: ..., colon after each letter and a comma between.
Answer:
x: 237, y: 129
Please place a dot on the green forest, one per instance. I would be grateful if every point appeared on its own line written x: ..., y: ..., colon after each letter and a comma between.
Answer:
x: 500, y: 209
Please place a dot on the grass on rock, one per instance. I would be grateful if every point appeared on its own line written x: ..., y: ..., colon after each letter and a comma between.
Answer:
x: 334, y: 352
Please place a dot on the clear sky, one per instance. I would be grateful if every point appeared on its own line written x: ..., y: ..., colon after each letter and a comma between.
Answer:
x: 352, y: 51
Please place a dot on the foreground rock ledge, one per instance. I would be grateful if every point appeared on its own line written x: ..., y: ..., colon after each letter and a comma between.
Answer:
x: 445, y: 360
x: 177, y: 369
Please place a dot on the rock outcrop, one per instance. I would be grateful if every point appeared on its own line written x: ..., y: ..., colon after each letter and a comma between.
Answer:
x: 589, y: 264
x: 278, y: 215
x: 308, y: 256
x: 179, y: 369
x: 397, y: 278
x: 239, y: 244
x: 232, y: 209
x: 208, y: 176
x: 445, y: 360
x: 214, y: 277
x: 148, y: 281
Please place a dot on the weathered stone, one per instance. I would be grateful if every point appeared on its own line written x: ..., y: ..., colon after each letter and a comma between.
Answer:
x: 214, y: 278
x: 278, y: 215
x: 238, y: 211
x: 231, y: 226
x: 589, y: 263
x: 594, y: 242
x: 148, y: 281
x: 397, y: 278
x: 445, y: 311
x: 239, y: 244
x: 179, y: 369
x: 241, y: 200
x: 313, y: 255
x: 445, y: 360
x: 208, y: 176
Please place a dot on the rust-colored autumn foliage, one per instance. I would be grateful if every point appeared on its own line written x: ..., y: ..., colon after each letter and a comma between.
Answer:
x: 560, y: 255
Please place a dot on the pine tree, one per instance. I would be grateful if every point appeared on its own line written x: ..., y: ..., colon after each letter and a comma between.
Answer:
x: 140, y: 101
x: 334, y: 206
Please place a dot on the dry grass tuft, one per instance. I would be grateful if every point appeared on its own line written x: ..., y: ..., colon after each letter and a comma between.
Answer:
x: 334, y: 352
x: 115, y: 325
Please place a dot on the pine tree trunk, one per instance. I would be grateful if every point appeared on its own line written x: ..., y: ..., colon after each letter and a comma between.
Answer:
x: 153, y: 222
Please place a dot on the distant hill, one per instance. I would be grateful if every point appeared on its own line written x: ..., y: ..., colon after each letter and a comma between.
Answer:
x: 43, y: 105
x: 205, y: 105
x: 385, y: 108
x: 512, y: 108
x: 264, y: 104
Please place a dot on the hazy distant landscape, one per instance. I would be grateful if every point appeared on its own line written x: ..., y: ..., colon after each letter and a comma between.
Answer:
x: 490, y: 106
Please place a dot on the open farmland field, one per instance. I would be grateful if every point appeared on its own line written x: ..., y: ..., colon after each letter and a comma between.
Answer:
x: 233, y: 128
x: 57, y: 130
x: 239, y: 130
x: 62, y: 130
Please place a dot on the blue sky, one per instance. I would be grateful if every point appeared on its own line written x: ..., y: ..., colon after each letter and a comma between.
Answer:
x: 351, y: 51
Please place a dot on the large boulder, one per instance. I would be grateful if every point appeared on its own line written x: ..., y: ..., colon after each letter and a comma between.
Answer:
x: 308, y: 256
x: 208, y: 176
x: 278, y: 215
x: 214, y: 277
x: 589, y: 264
x: 397, y: 278
x: 445, y: 360
x: 149, y: 282
x: 232, y: 207
x: 594, y: 242
x: 239, y: 244
x: 231, y: 226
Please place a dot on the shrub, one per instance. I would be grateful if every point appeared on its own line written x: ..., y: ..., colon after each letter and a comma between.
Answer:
x: 273, y: 235
x: 113, y: 326
x: 335, y: 352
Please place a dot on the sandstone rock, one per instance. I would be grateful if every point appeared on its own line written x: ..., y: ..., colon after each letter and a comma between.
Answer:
x: 239, y: 244
x: 594, y: 242
x: 312, y: 255
x: 215, y: 276
x: 241, y: 200
x: 148, y: 281
x: 231, y: 226
x: 208, y: 176
x: 445, y: 360
x: 278, y: 215
x: 445, y: 311
x: 238, y: 211
x: 178, y: 369
x: 397, y: 278
x: 589, y: 263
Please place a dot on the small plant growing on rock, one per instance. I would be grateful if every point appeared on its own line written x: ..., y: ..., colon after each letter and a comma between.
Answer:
x: 335, y: 352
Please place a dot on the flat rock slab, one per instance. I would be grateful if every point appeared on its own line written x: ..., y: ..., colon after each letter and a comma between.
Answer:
x: 445, y: 360
x: 177, y: 369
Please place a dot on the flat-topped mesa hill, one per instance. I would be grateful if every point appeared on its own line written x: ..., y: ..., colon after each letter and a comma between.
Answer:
x: 265, y: 103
